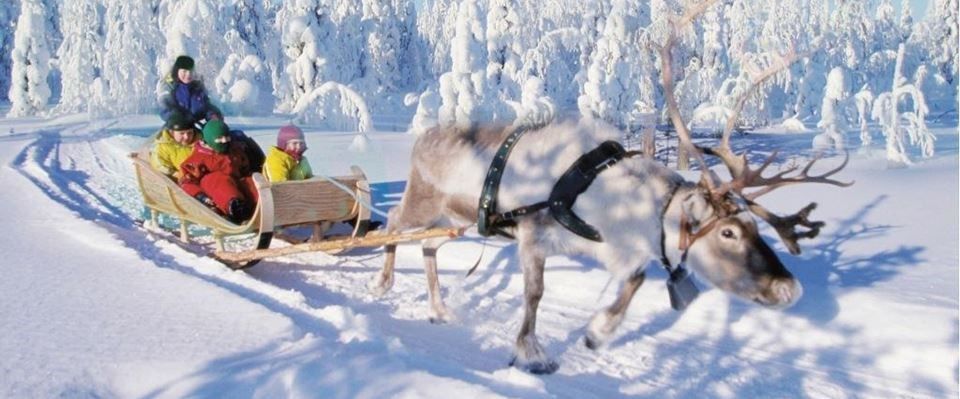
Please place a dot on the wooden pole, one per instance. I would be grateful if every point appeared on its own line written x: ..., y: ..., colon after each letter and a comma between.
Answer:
x: 374, y: 239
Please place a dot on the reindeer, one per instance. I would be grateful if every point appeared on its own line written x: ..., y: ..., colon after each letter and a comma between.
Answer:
x: 641, y: 209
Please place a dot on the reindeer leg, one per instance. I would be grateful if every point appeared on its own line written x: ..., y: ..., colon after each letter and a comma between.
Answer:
x: 384, y: 280
x: 605, y: 322
x: 414, y: 210
x: 529, y: 355
x: 438, y: 311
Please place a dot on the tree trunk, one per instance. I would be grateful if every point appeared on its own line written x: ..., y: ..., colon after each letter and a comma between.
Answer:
x: 683, y: 157
x: 646, y: 142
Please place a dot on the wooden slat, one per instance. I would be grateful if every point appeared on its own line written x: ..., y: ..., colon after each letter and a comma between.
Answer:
x: 311, y: 201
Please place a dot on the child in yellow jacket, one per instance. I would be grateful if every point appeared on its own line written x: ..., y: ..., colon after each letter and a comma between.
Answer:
x: 173, y: 144
x: 285, y: 161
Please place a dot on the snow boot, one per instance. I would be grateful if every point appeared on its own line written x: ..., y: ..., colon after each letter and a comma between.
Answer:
x: 237, y: 210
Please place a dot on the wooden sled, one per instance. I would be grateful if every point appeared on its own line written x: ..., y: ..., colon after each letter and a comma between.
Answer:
x: 315, y: 201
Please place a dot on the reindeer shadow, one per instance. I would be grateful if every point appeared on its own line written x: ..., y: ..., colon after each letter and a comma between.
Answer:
x: 827, y: 267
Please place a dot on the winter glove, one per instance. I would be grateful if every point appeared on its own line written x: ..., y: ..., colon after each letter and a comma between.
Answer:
x: 203, y: 198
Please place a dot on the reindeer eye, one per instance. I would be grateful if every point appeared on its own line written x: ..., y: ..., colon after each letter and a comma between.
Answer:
x: 726, y: 233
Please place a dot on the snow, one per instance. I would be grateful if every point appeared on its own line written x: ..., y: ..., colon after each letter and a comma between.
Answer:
x: 92, y: 305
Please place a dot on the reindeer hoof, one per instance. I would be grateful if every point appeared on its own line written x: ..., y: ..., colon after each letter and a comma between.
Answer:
x: 443, y: 317
x: 380, y: 288
x: 536, y: 367
x: 591, y: 343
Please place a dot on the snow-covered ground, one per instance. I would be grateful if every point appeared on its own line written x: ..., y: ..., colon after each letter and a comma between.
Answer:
x: 93, y: 306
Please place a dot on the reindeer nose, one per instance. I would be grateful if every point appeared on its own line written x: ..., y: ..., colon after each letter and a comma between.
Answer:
x: 784, y: 292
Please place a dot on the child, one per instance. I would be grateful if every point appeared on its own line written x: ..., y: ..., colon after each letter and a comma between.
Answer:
x: 218, y: 171
x: 183, y: 93
x: 173, y: 144
x: 285, y: 161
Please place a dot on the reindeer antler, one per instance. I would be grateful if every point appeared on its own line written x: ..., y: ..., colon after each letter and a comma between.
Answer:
x: 786, y: 225
x: 742, y: 175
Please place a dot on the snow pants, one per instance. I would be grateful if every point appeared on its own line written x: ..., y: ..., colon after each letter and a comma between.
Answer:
x: 222, y: 188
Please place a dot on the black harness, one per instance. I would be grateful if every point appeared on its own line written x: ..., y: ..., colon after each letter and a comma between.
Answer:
x: 571, y: 184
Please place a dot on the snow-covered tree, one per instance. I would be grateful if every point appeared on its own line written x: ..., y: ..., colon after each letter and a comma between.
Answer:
x: 346, y: 53
x: 129, y: 75
x: 887, y: 31
x: 244, y: 81
x: 307, y: 28
x: 887, y: 112
x: 535, y: 108
x: 9, y: 10
x: 610, y: 92
x: 503, y: 50
x: 80, y: 54
x: 464, y: 91
x: 380, y: 65
x: 906, y: 20
x: 438, y: 33
x: 242, y: 88
x: 29, y: 90
x: 852, y: 26
x: 428, y: 103
x: 864, y: 101
x: 832, y: 119
x: 335, y: 106
x: 555, y: 62
x: 944, y: 37
x: 413, y: 68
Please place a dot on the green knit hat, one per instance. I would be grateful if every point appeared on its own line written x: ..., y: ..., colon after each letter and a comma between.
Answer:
x: 214, y: 130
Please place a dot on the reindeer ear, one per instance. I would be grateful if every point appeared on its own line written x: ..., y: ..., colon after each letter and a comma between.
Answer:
x: 696, y: 207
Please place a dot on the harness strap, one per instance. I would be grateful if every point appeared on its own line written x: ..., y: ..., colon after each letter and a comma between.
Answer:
x: 687, y: 236
x: 487, y: 224
x: 568, y: 187
x: 576, y: 180
x: 663, y: 230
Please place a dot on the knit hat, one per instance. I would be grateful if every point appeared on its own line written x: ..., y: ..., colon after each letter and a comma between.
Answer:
x: 212, y: 131
x: 287, y: 133
x: 183, y: 62
x: 178, y: 121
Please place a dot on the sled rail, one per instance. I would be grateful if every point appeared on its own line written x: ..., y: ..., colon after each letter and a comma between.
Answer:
x: 375, y: 239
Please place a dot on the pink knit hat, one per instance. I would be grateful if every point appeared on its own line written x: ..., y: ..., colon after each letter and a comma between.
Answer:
x: 287, y: 133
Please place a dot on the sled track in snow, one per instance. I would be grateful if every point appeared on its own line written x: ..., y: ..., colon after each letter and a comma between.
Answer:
x: 327, y: 297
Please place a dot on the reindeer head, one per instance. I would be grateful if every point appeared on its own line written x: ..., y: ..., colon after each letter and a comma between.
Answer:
x: 723, y: 246
x: 717, y: 229
x: 721, y: 238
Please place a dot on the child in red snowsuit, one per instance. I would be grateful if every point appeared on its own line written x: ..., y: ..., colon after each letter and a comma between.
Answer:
x: 218, y: 173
